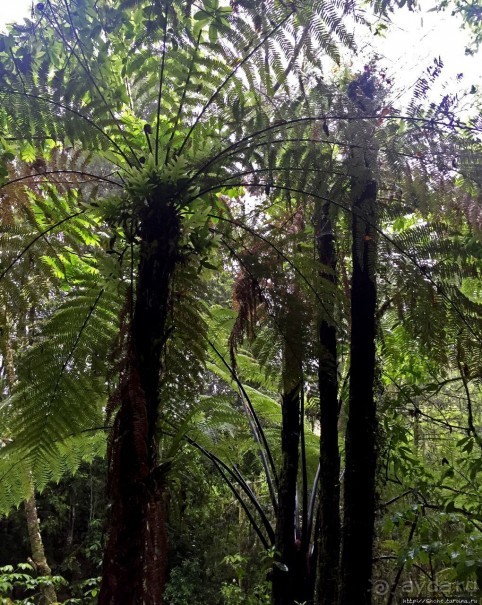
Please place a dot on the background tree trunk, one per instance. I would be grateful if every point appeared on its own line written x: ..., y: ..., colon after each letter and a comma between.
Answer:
x: 38, y: 553
x: 288, y: 570
x: 329, y: 541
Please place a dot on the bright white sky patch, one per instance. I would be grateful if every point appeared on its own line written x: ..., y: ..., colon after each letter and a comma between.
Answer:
x: 414, y: 39
x: 13, y: 11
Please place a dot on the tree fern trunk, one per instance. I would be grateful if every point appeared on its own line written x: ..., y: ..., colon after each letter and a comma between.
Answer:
x: 288, y: 570
x: 134, y: 564
x: 329, y: 542
x: 360, y: 465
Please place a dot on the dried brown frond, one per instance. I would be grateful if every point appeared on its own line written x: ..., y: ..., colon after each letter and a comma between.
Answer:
x: 247, y: 298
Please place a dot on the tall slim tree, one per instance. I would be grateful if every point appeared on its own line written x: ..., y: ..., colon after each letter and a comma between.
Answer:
x: 289, y: 569
x: 361, y: 431
x: 329, y: 481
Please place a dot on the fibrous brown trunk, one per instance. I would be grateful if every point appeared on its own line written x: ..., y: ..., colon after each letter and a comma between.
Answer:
x: 360, y: 465
x: 134, y: 565
x: 329, y: 541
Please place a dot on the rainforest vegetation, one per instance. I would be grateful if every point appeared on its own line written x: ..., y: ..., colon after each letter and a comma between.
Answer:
x: 240, y: 308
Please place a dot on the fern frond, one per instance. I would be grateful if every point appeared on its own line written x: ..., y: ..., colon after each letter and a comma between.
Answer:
x: 20, y: 472
x: 61, y: 378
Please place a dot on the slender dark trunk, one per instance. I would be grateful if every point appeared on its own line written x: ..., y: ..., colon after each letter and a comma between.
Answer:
x: 329, y: 541
x: 70, y: 534
x: 134, y: 563
x: 289, y: 567
x: 360, y: 465
x: 313, y: 554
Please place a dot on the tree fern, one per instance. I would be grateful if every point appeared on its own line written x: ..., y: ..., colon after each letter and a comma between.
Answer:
x: 38, y: 208
x: 171, y: 99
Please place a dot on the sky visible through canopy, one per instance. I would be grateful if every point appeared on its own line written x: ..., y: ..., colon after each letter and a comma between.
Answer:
x: 12, y: 11
x: 412, y: 42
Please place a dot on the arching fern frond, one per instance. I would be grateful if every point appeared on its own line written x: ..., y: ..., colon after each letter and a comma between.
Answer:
x: 19, y: 473
x: 61, y: 386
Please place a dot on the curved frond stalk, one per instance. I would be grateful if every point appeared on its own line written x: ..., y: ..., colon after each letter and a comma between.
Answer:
x: 161, y: 84
x: 83, y: 62
x: 229, y: 77
x: 231, y: 477
x: 48, y: 101
x: 73, y: 341
x: 182, y: 100
x: 258, y: 432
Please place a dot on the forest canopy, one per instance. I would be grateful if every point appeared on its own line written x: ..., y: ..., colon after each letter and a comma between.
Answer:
x: 241, y: 315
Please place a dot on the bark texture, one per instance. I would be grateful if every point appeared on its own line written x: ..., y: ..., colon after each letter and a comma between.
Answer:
x: 134, y: 566
x: 38, y: 553
x: 360, y: 467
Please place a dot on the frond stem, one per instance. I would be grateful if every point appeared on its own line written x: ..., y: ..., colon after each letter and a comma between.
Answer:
x: 78, y: 172
x: 83, y: 63
x: 183, y: 97
x: 231, y: 75
x: 221, y: 467
x: 75, y: 112
x: 36, y: 239
x: 259, y: 433
x: 161, y: 81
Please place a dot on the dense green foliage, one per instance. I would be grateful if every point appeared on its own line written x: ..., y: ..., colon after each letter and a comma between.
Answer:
x: 179, y: 163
